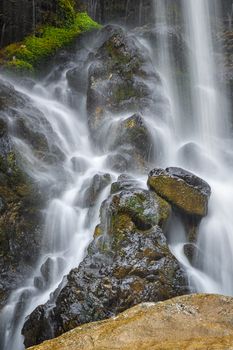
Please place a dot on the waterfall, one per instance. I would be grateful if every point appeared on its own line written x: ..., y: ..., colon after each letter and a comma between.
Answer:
x: 209, y: 132
x: 196, y: 119
x: 212, y: 134
x: 206, y: 96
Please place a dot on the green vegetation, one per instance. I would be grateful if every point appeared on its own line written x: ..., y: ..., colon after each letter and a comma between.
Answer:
x: 26, y: 55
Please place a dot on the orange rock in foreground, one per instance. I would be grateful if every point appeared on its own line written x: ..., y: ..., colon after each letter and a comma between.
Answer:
x: 192, y: 322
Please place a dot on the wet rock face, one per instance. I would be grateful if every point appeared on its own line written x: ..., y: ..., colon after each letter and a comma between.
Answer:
x: 21, y: 199
x: 186, y: 321
x: 182, y: 189
x: 117, y: 79
x: 128, y: 262
x: 172, y: 35
x: 122, y: 87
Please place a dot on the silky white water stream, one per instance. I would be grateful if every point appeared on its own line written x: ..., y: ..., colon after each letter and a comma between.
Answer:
x: 68, y: 226
x: 208, y: 144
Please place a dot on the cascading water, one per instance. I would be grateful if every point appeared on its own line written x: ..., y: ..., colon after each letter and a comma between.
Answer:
x: 203, y: 126
x: 209, y: 133
x: 69, y: 225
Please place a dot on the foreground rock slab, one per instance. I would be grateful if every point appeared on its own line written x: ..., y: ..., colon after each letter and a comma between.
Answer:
x: 188, y: 322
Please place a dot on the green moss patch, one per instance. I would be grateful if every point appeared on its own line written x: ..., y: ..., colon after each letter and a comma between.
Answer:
x: 26, y: 55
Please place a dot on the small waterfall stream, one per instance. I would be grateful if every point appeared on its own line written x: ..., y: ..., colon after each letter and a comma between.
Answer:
x: 204, y: 125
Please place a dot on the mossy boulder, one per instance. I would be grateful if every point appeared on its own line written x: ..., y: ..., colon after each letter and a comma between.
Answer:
x: 128, y: 262
x: 187, y: 322
x: 184, y: 190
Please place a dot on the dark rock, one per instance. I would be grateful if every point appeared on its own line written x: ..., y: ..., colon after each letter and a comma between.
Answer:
x: 92, y: 190
x: 46, y: 269
x: 134, y: 135
x: 116, y: 78
x: 39, y: 282
x: 76, y: 78
x: 190, y: 250
x: 117, y: 162
x: 122, y: 80
x: 127, y: 263
x: 182, y: 189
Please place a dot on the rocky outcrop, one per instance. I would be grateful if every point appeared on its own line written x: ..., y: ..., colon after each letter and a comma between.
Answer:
x: 184, y: 190
x: 188, y: 322
x: 127, y: 263
x: 122, y: 87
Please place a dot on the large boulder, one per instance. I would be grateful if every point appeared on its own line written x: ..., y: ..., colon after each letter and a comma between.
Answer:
x: 128, y: 262
x: 187, y: 322
x: 184, y: 190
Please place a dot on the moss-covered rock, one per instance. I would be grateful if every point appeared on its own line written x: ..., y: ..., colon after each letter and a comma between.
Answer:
x: 128, y: 262
x: 184, y: 190
x: 189, y: 322
x: 27, y: 55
